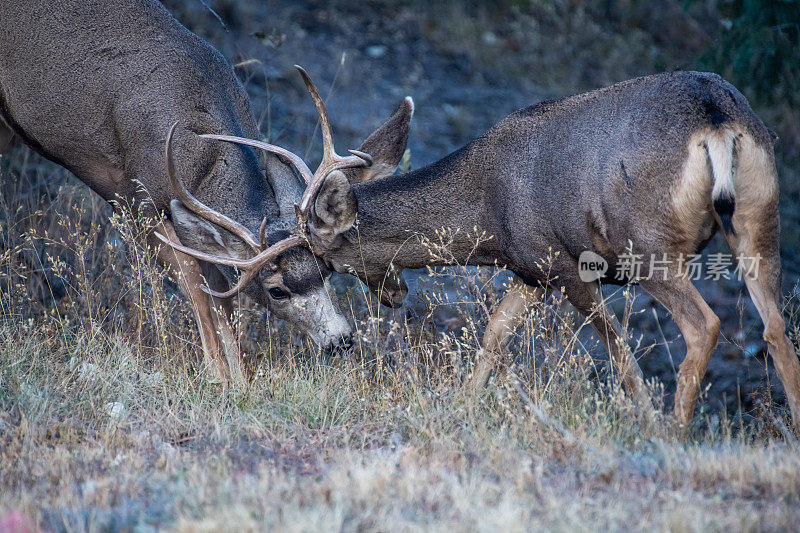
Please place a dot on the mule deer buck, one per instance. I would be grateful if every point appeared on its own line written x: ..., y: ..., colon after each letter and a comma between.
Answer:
x: 95, y: 85
x: 656, y: 165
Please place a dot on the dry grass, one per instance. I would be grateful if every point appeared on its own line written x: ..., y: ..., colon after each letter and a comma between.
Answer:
x: 105, y: 423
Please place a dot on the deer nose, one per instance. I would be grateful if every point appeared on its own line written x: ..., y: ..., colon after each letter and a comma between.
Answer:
x: 341, y: 346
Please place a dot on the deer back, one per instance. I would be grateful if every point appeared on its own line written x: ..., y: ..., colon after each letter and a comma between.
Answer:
x: 94, y: 86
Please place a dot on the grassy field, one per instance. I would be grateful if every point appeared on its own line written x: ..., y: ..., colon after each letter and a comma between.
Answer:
x: 107, y: 422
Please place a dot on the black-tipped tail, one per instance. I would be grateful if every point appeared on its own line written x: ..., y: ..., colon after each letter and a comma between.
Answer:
x: 724, y: 206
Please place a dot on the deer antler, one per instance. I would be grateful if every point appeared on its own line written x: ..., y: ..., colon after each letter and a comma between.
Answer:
x: 330, y: 161
x: 200, y: 208
x: 296, y: 160
x: 249, y: 267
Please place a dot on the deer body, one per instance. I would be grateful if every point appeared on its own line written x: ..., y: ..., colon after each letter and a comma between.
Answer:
x: 654, y: 165
x: 98, y: 84
x: 95, y: 86
x: 577, y: 174
x: 659, y: 163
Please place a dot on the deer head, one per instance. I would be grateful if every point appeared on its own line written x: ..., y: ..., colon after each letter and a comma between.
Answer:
x: 277, y: 268
x: 327, y: 207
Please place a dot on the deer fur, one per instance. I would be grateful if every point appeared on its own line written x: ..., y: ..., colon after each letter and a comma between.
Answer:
x: 659, y: 163
x: 95, y: 85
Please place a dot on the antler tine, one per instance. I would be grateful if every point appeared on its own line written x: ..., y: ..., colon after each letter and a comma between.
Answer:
x: 298, y: 163
x: 330, y: 159
x: 197, y: 254
x: 362, y: 155
x: 248, y: 267
x: 200, y: 208
x: 328, y: 152
x: 262, y: 233
x: 256, y: 264
x: 358, y: 159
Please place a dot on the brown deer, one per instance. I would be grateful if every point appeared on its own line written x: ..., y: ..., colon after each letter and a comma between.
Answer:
x: 95, y: 85
x: 656, y: 165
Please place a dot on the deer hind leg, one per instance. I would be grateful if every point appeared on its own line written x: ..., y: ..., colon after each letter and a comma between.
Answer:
x: 700, y: 329
x: 502, y: 324
x: 588, y: 299
x: 764, y: 291
x: 755, y: 240
x: 189, y: 276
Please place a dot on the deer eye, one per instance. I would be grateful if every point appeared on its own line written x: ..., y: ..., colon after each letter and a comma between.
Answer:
x: 276, y: 293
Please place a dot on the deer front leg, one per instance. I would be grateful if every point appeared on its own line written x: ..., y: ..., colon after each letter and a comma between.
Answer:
x: 222, y: 312
x: 606, y: 325
x: 189, y: 277
x: 6, y: 136
x: 502, y: 324
x: 588, y: 299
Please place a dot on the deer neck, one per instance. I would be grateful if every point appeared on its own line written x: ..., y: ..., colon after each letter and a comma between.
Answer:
x: 435, y: 215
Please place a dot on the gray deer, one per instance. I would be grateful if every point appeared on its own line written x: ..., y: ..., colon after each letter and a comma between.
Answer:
x: 95, y: 85
x: 654, y: 165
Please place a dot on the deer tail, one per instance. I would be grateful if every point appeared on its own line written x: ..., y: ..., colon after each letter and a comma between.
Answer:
x: 720, y: 149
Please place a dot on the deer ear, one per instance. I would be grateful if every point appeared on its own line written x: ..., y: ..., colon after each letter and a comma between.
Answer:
x: 200, y: 234
x: 386, y: 145
x: 335, y: 208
